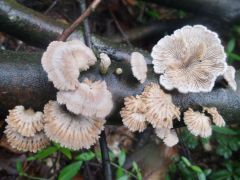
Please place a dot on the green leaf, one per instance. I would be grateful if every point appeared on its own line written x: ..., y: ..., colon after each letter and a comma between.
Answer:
x: 234, y: 56
x: 220, y: 175
x: 43, y: 153
x: 231, y: 45
x: 186, y: 161
x: 201, y: 176
x: 121, y: 158
x: 86, y: 156
x: 19, y: 168
x: 66, y: 152
x: 137, y: 170
x: 69, y: 171
x: 224, y: 130
x: 196, y: 169
x: 119, y: 172
x: 125, y: 177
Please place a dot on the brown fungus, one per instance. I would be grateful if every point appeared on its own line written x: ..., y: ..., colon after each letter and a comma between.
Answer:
x: 89, y: 99
x: 25, y: 122
x: 133, y: 113
x: 160, y: 109
x: 22, y: 143
x: 63, y: 62
x: 190, y: 60
x: 198, y: 123
x: 71, y: 131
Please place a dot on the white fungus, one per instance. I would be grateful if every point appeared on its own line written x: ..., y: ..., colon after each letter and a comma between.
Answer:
x: 229, y: 76
x: 138, y: 66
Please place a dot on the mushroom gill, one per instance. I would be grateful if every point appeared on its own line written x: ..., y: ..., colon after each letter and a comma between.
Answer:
x: 25, y: 122
x: 189, y: 60
x: 160, y: 109
x: 71, y: 131
x: 169, y: 136
x: 216, y: 117
x: 133, y: 113
x: 197, y: 123
x: 89, y: 99
x: 138, y: 66
x: 229, y: 76
x: 22, y: 143
x: 63, y: 62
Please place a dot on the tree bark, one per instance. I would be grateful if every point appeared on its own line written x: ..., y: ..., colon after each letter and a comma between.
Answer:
x: 23, y: 82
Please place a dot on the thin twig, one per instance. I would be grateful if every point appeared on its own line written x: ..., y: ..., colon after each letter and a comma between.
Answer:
x: 105, y: 157
x: 51, y: 7
x: 67, y: 32
x: 86, y: 30
x: 120, y: 28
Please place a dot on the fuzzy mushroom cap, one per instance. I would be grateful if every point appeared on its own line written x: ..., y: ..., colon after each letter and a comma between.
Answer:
x: 139, y: 66
x: 162, y: 132
x: 190, y: 60
x: 216, y: 117
x: 89, y: 99
x: 71, y: 131
x: 160, y: 109
x: 25, y: 122
x: 22, y: 143
x: 105, y: 62
x: 171, y: 139
x: 133, y: 113
x: 197, y: 123
x: 63, y: 62
x: 229, y: 76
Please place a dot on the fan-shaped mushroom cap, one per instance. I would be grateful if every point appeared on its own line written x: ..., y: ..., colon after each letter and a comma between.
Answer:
x: 139, y: 66
x: 189, y: 60
x: 63, y: 62
x: 216, y: 117
x: 71, y: 131
x: 105, y: 63
x: 89, y: 99
x: 25, y: 122
x: 171, y: 139
x: 22, y: 143
x: 133, y: 114
x: 229, y: 76
x: 169, y: 136
x: 160, y: 109
x: 197, y: 123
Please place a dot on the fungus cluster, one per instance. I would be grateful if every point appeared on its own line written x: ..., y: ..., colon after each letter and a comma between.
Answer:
x: 153, y: 106
x: 77, y: 118
x: 24, y: 131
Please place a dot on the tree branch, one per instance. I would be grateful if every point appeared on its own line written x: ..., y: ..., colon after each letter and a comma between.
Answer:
x: 23, y: 81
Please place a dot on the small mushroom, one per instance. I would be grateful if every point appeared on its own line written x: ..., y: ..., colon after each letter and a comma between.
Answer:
x: 216, y: 117
x: 22, y: 143
x: 139, y: 66
x: 89, y: 99
x: 160, y: 109
x: 197, y: 123
x: 105, y: 63
x: 25, y: 122
x: 133, y: 114
x: 71, y: 131
x: 63, y: 62
x: 169, y: 136
x: 119, y: 71
x: 190, y: 60
x: 229, y: 76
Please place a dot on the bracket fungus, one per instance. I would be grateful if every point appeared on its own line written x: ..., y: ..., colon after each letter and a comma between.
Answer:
x: 71, y: 131
x: 105, y: 63
x: 26, y: 122
x: 63, y: 62
x: 138, y: 66
x: 160, y: 109
x: 23, y: 143
x: 133, y: 113
x: 198, y: 123
x: 89, y: 99
x: 169, y: 136
x: 189, y: 60
x: 216, y: 117
x: 229, y: 76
